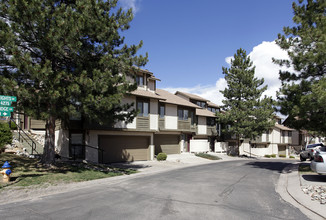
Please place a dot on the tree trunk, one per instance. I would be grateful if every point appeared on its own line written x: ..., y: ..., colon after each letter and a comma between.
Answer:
x: 49, y: 147
x: 238, y: 148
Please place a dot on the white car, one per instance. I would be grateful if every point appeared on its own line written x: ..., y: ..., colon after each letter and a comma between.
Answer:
x: 310, y: 151
x: 318, y: 165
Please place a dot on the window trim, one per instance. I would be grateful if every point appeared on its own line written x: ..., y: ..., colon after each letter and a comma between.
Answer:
x: 141, y: 111
x: 159, y: 110
x: 138, y: 77
x: 183, y: 111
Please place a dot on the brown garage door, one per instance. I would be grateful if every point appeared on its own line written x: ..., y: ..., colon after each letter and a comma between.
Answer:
x: 123, y: 148
x: 168, y: 144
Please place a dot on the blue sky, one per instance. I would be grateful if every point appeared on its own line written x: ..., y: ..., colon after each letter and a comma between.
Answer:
x: 189, y: 41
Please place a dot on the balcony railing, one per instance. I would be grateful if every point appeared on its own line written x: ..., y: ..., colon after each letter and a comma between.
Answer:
x: 211, y: 130
x: 161, y: 123
x: 142, y: 123
x: 184, y: 125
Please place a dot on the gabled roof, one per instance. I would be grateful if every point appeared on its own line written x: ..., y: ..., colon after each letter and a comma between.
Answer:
x: 191, y: 96
x: 205, y: 112
x: 173, y: 99
x: 284, y: 128
x: 211, y: 104
x: 145, y: 93
x: 154, y: 78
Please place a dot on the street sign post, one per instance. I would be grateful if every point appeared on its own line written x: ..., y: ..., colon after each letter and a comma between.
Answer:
x: 4, y: 114
x: 6, y: 109
x: 5, y: 103
x: 8, y: 98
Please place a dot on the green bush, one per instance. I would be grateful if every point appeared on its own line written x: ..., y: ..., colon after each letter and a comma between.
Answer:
x: 282, y: 155
x: 13, y: 126
x: 267, y: 155
x: 292, y: 157
x: 161, y: 156
x: 273, y: 155
x: 5, y: 135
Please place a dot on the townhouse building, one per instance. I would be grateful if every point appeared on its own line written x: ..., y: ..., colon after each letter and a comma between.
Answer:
x: 165, y: 123
x: 206, y: 137
x: 277, y: 140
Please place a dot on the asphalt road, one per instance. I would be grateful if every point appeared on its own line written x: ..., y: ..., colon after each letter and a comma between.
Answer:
x: 243, y: 189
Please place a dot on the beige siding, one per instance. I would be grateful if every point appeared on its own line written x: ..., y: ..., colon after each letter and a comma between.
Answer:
x: 40, y: 124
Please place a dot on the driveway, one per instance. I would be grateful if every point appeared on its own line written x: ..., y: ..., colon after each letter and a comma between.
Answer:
x: 241, y: 189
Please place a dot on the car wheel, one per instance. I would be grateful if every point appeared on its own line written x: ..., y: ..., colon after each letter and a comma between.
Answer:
x: 302, y: 159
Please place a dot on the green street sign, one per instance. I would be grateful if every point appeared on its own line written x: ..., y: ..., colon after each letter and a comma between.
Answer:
x: 8, y: 98
x: 6, y: 109
x: 5, y: 103
x: 4, y: 114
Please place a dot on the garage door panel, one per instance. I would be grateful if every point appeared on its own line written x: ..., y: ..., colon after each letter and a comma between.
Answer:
x: 168, y: 144
x: 124, y: 148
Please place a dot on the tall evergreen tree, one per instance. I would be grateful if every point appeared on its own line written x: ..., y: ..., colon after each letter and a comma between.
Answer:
x: 65, y: 57
x: 303, y: 92
x: 247, y: 114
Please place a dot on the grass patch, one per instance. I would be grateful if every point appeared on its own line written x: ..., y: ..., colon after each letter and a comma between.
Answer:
x: 208, y: 156
x: 304, y: 168
x: 28, y: 172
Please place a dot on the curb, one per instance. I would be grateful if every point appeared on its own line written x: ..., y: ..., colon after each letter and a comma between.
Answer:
x: 293, y: 188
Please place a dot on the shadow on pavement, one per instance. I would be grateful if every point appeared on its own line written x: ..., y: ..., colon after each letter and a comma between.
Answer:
x: 272, y: 165
x: 314, y: 178
x: 130, y: 166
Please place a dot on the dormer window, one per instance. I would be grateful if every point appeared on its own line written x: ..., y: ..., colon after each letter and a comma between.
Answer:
x: 201, y: 104
x: 140, y: 80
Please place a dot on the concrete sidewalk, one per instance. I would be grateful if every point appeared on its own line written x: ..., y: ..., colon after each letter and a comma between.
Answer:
x: 174, y: 161
x: 292, y: 181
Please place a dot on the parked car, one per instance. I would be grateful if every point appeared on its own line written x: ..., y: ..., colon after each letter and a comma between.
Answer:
x: 310, y: 150
x: 318, y: 165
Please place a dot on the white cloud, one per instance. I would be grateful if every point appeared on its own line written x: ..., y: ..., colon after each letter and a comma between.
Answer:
x: 210, y: 92
x: 134, y: 4
x: 228, y: 60
x: 261, y: 56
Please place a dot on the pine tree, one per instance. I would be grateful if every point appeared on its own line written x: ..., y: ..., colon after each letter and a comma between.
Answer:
x: 303, y: 92
x: 245, y: 113
x: 62, y: 58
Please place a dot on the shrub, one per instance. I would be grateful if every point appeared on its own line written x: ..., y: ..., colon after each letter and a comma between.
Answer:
x: 273, y: 155
x: 292, y: 157
x: 13, y: 126
x: 5, y: 135
x: 161, y: 156
x: 267, y: 155
x: 282, y: 155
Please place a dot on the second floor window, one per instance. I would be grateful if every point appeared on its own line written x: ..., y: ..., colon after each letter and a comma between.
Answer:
x: 143, y: 108
x: 182, y: 114
x: 210, y: 121
x: 201, y: 104
x: 213, y: 109
x: 162, y: 111
x: 140, y: 80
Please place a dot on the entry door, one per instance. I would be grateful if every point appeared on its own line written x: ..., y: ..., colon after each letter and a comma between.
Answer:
x: 187, y: 142
x: 77, y: 148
